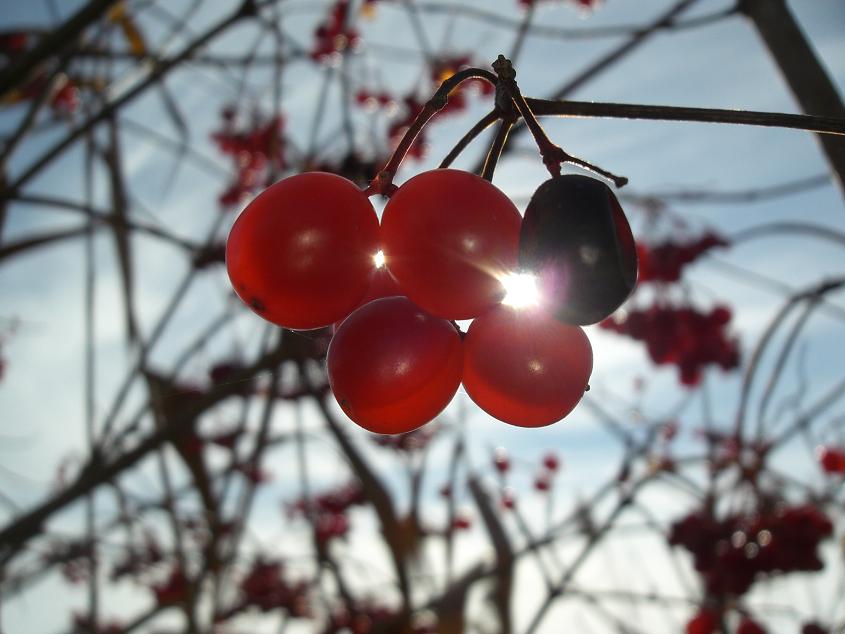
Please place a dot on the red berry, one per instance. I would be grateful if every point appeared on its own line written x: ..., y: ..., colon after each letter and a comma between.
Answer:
x: 301, y: 254
x: 508, y: 500
x: 448, y: 236
x: 705, y: 622
x: 393, y: 367
x: 501, y: 460
x: 543, y: 482
x: 551, y: 462
x: 461, y: 523
x: 524, y: 367
x: 832, y: 460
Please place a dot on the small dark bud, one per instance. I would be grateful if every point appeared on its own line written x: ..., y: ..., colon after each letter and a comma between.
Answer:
x: 576, y: 239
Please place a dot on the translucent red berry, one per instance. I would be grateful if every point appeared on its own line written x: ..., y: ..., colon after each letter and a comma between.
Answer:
x: 301, y: 254
x: 448, y: 238
x: 393, y: 367
x: 524, y: 367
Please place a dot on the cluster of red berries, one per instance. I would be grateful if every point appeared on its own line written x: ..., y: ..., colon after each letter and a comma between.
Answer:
x: 302, y: 256
x: 254, y: 152
x: 730, y: 554
x: 681, y: 336
x: 264, y: 587
x: 334, y: 34
x: 543, y: 481
x: 328, y: 510
x: 664, y: 262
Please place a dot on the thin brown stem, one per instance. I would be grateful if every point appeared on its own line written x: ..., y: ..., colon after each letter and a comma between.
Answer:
x: 552, y: 154
x: 808, y: 123
x: 499, y: 141
x: 383, y: 182
x: 485, y: 122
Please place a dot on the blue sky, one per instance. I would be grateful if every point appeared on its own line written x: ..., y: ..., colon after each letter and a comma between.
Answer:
x: 723, y: 65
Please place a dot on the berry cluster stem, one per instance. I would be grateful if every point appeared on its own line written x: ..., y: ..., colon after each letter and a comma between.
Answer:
x: 510, y: 105
x: 552, y: 154
x: 508, y: 116
x: 496, y: 149
x: 383, y: 182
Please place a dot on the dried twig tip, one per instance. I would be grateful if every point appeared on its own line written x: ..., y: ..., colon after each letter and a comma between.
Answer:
x: 504, y: 68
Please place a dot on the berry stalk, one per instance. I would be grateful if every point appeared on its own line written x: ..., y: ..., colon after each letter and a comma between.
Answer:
x: 383, y: 182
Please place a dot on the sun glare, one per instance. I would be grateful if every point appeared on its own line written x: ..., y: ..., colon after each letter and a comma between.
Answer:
x: 520, y: 290
x: 378, y: 259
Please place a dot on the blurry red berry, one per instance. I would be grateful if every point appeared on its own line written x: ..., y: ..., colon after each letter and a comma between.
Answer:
x: 461, y: 523
x: 543, y: 483
x: 448, y: 235
x: 501, y: 460
x: 832, y: 460
x: 705, y: 622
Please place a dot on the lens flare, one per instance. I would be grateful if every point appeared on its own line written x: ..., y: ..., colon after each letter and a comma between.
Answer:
x: 378, y: 259
x: 520, y: 290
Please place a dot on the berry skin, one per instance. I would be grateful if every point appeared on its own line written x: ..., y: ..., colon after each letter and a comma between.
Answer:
x: 577, y: 240
x: 301, y: 254
x: 447, y: 237
x: 524, y: 367
x: 393, y: 367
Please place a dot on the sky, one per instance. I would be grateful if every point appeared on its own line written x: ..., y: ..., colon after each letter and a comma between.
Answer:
x: 722, y: 65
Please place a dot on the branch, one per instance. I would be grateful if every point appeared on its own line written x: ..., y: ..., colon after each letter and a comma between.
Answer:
x: 96, y: 472
x: 53, y: 44
x: 809, y: 123
x: 114, y: 106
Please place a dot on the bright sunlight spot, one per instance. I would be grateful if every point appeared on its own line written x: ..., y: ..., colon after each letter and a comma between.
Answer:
x: 378, y: 259
x: 520, y: 290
